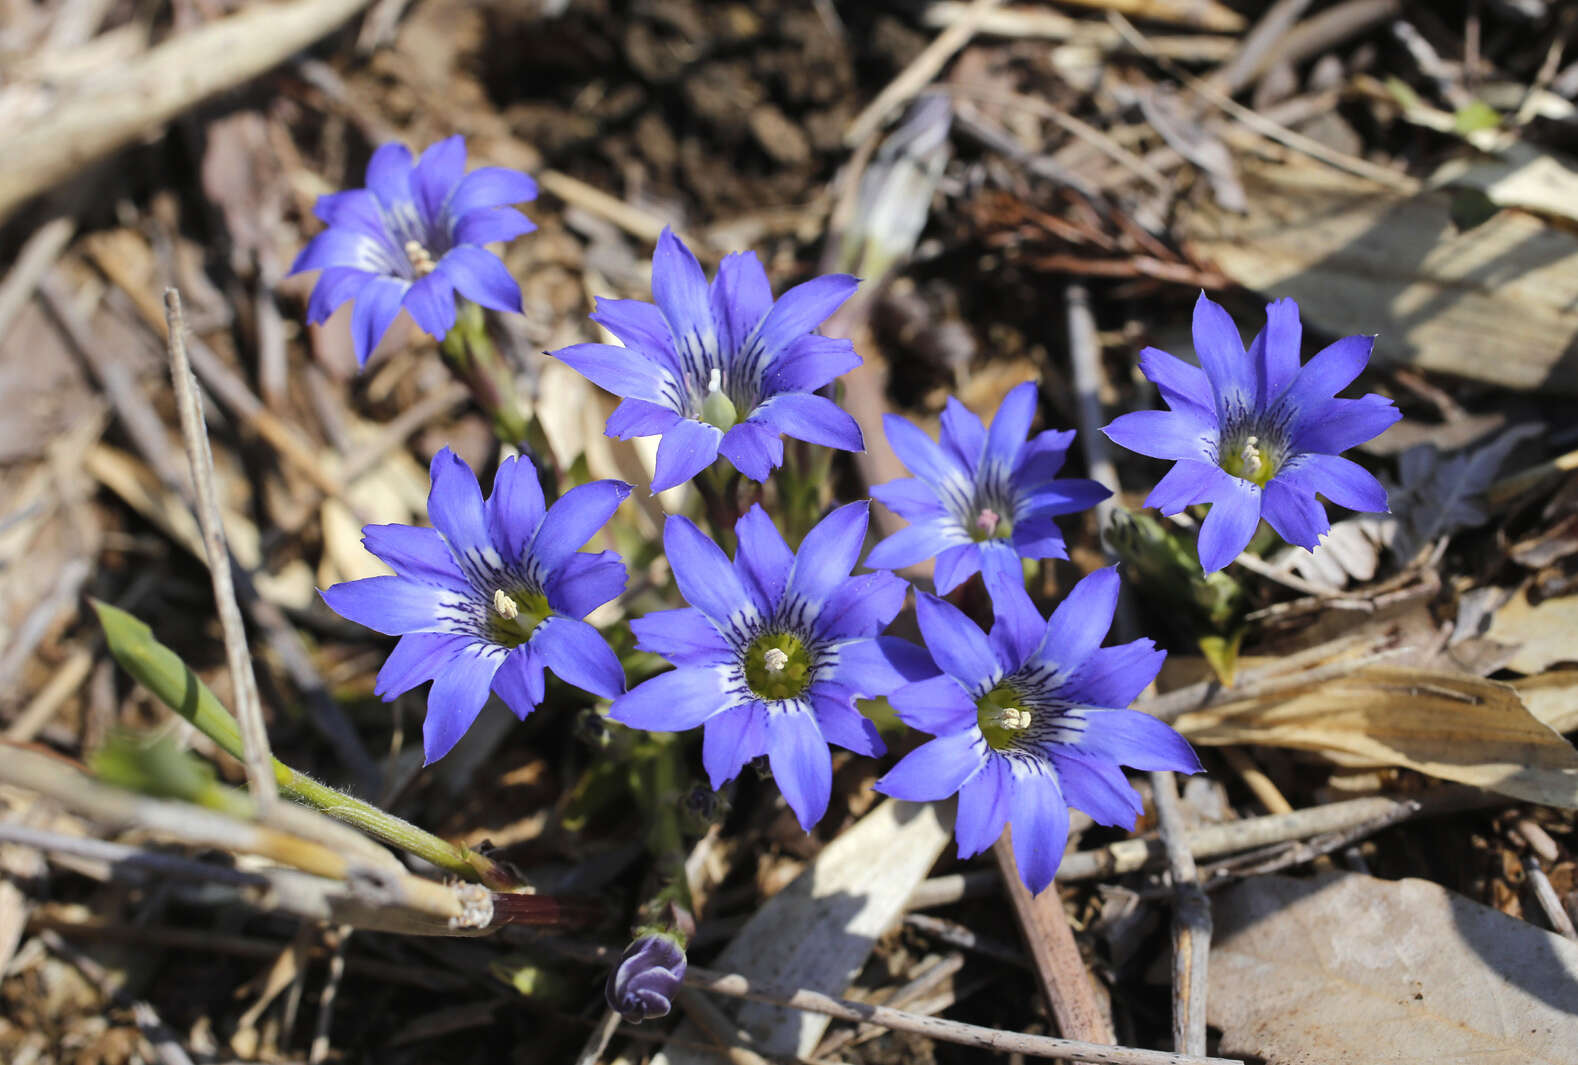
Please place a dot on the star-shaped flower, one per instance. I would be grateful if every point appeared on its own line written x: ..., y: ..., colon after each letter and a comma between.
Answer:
x: 1255, y: 434
x: 1032, y: 720
x: 413, y: 238
x: 773, y: 651
x: 490, y: 596
x: 721, y: 368
x: 980, y: 498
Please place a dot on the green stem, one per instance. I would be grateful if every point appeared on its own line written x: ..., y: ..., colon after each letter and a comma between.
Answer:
x: 669, y: 910
x: 475, y: 360
x: 162, y: 672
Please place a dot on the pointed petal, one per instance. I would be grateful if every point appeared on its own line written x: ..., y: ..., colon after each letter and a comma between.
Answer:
x: 809, y: 363
x: 1345, y: 423
x: 343, y: 248
x: 1274, y: 355
x: 1190, y: 481
x: 515, y: 508
x: 353, y: 209
x: 437, y: 172
x: 935, y: 769
x: 762, y: 559
x: 637, y: 417
x: 1017, y: 625
x: 457, y: 695
x: 952, y: 482
x: 418, y: 553
x: 574, y: 519
x: 731, y: 739
x: 882, y: 665
x: 1294, y: 513
x: 862, y: 606
x: 956, y: 565
x: 1345, y: 483
x: 801, y: 310
x: 910, y: 498
x: 680, y: 289
x: 963, y: 434
x: 1100, y: 789
x: 1042, y: 457
x: 1039, y: 816
x: 578, y: 654
x: 684, y: 637
x: 915, y: 543
x: 492, y: 224
x: 1329, y: 372
x: 585, y: 581
x: 454, y: 503
x: 983, y: 807
x: 1080, y: 622
x: 335, y: 285
x: 812, y: 418
x: 800, y: 763
x: 491, y: 186
x: 1011, y: 425
x: 1039, y: 538
x: 373, y: 313
x: 755, y: 450
x: 482, y: 278
x: 706, y: 577
x: 740, y: 297
x: 389, y: 175
x: 1135, y: 739
x: 1163, y: 434
x: 1115, y: 676
x: 1182, y: 385
x: 1231, y: 523
x: 415, y: 660
x: 621, y: 371
x: 1221, y: 350
x: 938, y: 705
x: 956, y: 644
x: 840, y: 723
x: 641, y: 327
x: 673, y: 702
x: 687, y: 448
x: 395, y: 606
x: 431, y: 304
x: 519, y: 681
x: 827, y: 554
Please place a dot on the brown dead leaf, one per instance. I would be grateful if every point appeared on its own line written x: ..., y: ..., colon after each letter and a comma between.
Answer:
x: 1492, y: 303
x: 1352, y: 970
x: 1448, y: 725
x: 1552, y: 697
x: 1545, y: 633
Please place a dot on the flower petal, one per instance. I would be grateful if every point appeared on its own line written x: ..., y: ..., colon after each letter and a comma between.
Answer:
x: 674, y: 702
x: 395, y: 606
x: 827, y: 554
x: 1221, y: 351
x: 963, y: 434
x: 936, y: 769
x: 342, y: 247
x: 800, y: 762
x: 957, y: 644
x: 1231, y: 523
x: 755, y: 450
x: 800, y: 310
x: 683, y: 636
x: 1017, y: 625
x: 1011, y: 425
x: 1183, y: 385
x: 706, y: 577
x: 457, y: 695
x: 862, y: 606
x: 454, y: 503
x: 519, y: 681
x: 515, y: 508
x: 983, y: 806
x: 840, y: 723
x: 492, y: 224
x: 354, y: 209
x: 916, y: 543
x: 1135, y: 739
x: 680, y: 289
x: 431, y: 304
x: 1039, y: 816
x: 578, y: 654
x: 490, y: 186
x: 480, y: 277
x: 740, y: 297
x: 622, y: 371
x: 809, y: 363
x: 335, y: 285
x: 1345, y: 483
x: 1190, y: 481
x: 1163, y: 434
x: 585, y: 581
x: 574, y: 519
x: 957, y: 564
x: 731, y: 739
x: 1080, y: 622
x: 415, y: 660
x: 1274, y: 355
x: 641, y: 327
x: 1100, y: 789
x: 637, y: 417
x: 437, y: 172
x: 389, y: 175
x: 952, y: 482
x: 375, y: 309
x: 418, y: 553
x: 1039, y: 537
x: 812, y: 418
x: 1345, y: 423
x: 1115, y: 676
x: 1041, y: 458
x: 880, y: 666
x: 1294, y: 513
x: 762, y: 559
x: 1331, y: 370
x: 687, y: 448
x: 938, y: 705
x: 910, y: 498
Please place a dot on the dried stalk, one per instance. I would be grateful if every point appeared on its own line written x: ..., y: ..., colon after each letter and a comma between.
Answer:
x: 1191, y: 922
x: 249, y: 705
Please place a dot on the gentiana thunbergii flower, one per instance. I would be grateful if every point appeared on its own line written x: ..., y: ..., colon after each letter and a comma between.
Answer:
x: 773, y: 651
x: 1255, y: 434
x: 721, y: 368
x: 413, y: 238
x: 642, y: 986
x: 981, y: 498
x: 1031, y: 720
x: 489, y: 596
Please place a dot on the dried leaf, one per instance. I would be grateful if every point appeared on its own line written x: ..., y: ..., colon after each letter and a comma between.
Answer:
x: 1437, y: 497
x: 1493, y: 303
x: 1352, y: 969
x: 1350, y: 552
x: 1522, y: 176
x: 1552, y: 697
x: 1448, y: 725
x: 1545, y: 632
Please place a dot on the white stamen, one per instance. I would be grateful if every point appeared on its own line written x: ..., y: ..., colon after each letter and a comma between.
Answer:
x: 1011, y: 718
x: 1250, y: 455
x: 421, y: 259
x: 774, y: 659
x: 715, y: 380
x: 504, y: 606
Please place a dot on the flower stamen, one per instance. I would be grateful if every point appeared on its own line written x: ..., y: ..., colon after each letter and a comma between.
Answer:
x: 506, y: 607
x: 775, y: 660
x: 422, y: 260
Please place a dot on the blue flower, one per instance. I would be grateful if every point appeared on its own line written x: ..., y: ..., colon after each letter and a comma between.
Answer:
x: 982, y: 498
x: 490, y: 596
x: 721, y: 368
x: 1031, y: 720
x: 412, y: 238
x: 642, y: 986
x: 1255, y: 434
x: 773, y: 651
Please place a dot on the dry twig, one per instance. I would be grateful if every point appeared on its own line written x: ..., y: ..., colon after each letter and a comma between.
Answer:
x: 1191, y: 922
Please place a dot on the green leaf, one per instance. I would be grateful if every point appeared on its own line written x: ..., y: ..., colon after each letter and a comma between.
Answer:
x: 1221, y: 654
x: 1475, y: 116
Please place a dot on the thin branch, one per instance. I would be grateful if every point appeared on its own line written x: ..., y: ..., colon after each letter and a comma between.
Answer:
x: 331, y: 988
x: 249, y: 706
x: 1191, y: 922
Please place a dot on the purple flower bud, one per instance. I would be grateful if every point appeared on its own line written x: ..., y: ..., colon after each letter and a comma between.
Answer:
x: 642, y: 985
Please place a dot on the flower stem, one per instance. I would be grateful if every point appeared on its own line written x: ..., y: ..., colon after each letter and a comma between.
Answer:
x: 475, y: 360
x: 162, y: 672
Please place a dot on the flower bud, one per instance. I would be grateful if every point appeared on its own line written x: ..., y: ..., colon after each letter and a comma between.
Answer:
x: 642, y: 985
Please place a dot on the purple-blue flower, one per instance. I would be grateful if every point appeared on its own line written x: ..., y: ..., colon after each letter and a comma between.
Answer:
x: 642, y: 986
x: 721, y: 368
x: 1032, y: 720
x: 981, y: 498
x: 413, y: 238
x: 773, y: 651
x: 1255, y: 434
x: 491, y: 595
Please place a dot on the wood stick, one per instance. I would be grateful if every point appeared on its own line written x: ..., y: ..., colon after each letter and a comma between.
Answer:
x: 249, y: 705
x: 150, y: 90
x: 32, y: 263
x: 1191, y: 922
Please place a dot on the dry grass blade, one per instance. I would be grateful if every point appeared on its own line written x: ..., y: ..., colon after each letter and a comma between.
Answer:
x: 249, y: 705
x: 1191, y: 922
